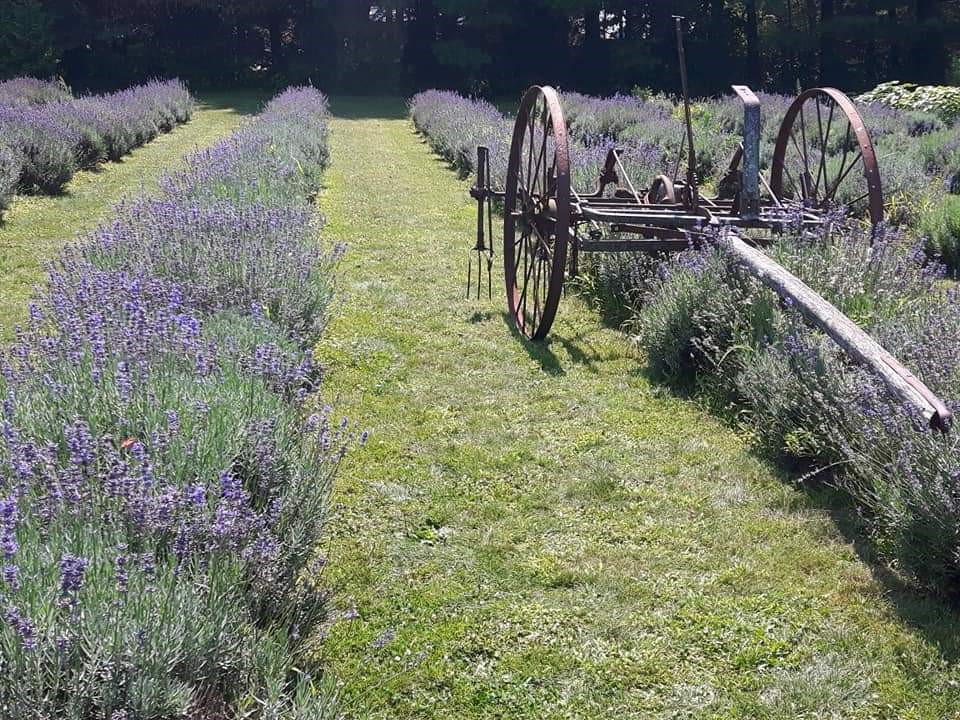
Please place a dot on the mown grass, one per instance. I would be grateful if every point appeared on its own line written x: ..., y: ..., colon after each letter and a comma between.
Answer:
x: 540, y: 532
x: 35, y: 227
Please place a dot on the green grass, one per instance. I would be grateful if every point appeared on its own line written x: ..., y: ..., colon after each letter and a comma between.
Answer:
x: 539, y: 532
x: 35, y: 227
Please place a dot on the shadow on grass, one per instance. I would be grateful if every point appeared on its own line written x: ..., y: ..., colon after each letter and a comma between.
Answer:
x: 356, y: 107
x: 241, y: 102
x: 544, y: 355
x: 934, y: 617
x: 538, y: 351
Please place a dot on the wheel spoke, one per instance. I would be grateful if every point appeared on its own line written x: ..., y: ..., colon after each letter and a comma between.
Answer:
x: 830, y: 192
x: 846, y: 172
x: 518, y: 249
x: 531, y: 121
x: 541, y: 158
x: 803, y: 134
x: 856, y: 200
x: 822, y: 170
x: 804, y: 170
x: 527, y: 270
x: 793, y: 182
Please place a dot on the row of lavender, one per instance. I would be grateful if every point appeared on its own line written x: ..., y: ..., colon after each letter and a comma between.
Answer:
x: 707, y: 326
x: 46, y: 135
x: 162, y: 489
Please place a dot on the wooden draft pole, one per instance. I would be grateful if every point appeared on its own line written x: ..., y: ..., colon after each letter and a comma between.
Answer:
x: 862, y: 348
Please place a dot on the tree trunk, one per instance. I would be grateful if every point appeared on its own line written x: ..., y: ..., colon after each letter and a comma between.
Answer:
x: 276, y: 24
x: 928, y: 58
x: 419, y: 47
x: 828, y: 62
x: 753, y: 43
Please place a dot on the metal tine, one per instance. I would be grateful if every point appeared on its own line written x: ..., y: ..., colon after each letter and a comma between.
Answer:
x: 482, y: 198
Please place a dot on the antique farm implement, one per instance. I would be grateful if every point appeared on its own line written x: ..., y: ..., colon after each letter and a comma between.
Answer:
x: 547, y: 223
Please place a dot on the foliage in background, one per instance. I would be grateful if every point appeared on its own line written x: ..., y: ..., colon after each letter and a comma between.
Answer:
x: 28, y: 44
x: 942, y: 101
x: 162, y: 491
x: 496, y: 47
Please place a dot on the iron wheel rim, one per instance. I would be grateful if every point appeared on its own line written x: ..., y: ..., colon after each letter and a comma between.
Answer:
x: 536, y: 213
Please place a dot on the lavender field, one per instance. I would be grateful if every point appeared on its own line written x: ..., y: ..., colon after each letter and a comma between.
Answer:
x: 46, y: 135
x: 307, y: 412
x: 704, y: 325
x: 164, y: 489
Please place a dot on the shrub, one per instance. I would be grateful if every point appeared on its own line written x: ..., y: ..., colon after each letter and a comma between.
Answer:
x: 264, y: 162
x: 46, y: 145
x: 56, y: 137
x: 940, y: 100
x: 941, y: 226
x: 31, y: 91
x: 455, y: 126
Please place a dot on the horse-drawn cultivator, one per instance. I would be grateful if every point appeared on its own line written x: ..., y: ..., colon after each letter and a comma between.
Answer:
x: 547, y: 223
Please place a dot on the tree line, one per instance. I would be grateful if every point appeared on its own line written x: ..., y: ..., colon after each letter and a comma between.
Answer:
x: 490, y: 47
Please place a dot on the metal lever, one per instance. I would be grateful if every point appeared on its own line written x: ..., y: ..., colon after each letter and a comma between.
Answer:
x: 691, y: 152
x: 482, y: 193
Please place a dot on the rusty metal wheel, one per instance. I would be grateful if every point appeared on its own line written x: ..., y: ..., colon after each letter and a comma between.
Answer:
x: 536, y: 222
x: 824, y: 156
x: 661, y: 191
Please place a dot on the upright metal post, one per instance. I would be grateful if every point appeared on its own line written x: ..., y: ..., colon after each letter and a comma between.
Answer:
x: 750, y: 182
x: 691, y: 153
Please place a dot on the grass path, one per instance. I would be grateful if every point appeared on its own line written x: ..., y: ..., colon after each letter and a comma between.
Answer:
x: 35, y: 227
x: 540, y: 533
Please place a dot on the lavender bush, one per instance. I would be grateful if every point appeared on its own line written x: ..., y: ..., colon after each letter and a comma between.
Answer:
x: 162, y: 493
x: 58, y: 136
x: 455, y: 126
x: 31, y: 91
x: 46, y: 146
x: 264, y: 162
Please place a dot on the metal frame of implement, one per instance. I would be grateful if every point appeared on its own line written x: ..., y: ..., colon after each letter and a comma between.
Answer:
x: 547, y: 223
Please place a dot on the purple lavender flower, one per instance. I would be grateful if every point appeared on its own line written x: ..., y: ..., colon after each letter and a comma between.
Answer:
x: 72, y: 569
x: 121, y: 570
x: 23, y: 626
x: 11, y: 577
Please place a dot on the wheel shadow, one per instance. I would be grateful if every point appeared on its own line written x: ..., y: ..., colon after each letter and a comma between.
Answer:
x: 538, y: 351
x: 543, y: 352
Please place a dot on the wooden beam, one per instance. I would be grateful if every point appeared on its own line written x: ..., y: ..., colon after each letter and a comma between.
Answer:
x: 903, y: 384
